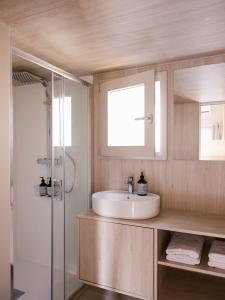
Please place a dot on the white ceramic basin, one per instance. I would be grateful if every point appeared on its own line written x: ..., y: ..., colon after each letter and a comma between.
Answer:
x: 125, y: 206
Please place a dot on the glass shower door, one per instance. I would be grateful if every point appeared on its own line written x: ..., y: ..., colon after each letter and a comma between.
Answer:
x: 70, y: 179
x: 77, y: 172
x: 57, y: 190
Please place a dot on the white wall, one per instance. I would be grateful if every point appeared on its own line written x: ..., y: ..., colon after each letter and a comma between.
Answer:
x: 32, y: 214
x: 5, y: 162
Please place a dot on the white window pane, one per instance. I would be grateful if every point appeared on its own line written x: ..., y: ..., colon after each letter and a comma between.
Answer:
x: 157, y: 117
x: 61, y: 114
x: 124, y: 105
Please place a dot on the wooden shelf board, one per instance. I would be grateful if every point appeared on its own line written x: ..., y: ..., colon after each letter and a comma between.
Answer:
x: 202, y: 268
x: 179, y: 285
x: 174, y: 220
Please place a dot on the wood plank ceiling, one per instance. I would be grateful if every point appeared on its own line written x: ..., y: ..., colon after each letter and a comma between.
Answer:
x: 86, y: 36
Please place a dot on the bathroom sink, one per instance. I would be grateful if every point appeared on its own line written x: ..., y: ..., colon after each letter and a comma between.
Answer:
x: 125, y: 206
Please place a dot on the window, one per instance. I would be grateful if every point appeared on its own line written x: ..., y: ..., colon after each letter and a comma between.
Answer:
x: 62, y: 122
x: 133, y: 116
x: 125, y: 106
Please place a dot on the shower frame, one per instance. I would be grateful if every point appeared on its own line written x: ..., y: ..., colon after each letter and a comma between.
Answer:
x: 63, y: 75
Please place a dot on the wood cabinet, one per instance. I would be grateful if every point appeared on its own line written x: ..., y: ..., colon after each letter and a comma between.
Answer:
x: 116, y: 256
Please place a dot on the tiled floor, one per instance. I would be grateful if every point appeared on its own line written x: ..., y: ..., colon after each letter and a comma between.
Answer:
x: 93, y: 293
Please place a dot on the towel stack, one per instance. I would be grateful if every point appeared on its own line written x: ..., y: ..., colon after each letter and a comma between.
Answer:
x: 217, y: 255
x: 185, y: 248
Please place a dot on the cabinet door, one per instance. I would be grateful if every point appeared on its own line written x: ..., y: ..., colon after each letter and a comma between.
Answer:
x: 117, y: 256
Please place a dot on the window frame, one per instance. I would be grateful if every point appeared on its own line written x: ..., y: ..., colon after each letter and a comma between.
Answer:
x: 147, y: 78
x: 162, y: 77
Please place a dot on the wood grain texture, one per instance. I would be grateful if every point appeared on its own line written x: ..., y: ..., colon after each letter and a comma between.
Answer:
x: 173, y: 220
x: 113, y: 256
x: 5, y: 154
x: 186, y: 131
x: 98, y: 234
x: 186, y: 185
x: 88, y: 36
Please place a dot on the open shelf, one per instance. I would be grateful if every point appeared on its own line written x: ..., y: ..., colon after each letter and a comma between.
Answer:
x: 202, y: 268
x: 179, y: 285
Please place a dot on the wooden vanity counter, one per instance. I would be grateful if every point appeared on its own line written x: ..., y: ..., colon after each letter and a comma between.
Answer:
x: 174, y: 220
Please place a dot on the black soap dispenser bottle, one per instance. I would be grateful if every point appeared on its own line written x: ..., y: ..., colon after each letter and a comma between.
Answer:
x: 142, y: 187
x: 43, y: 187
x: 49, y: 187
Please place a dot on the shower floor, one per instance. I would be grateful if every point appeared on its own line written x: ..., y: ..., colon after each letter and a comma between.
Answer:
x: 35, y: 280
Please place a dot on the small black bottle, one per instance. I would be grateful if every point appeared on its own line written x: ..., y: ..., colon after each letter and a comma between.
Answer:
x: 49, y: 187
x: 43, y: 187
x: 142, y: 188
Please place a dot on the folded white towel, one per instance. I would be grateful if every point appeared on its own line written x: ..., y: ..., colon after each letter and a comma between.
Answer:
x: 217, y: 251
x: 217, y: 260
x: 184, y: 259
x: 218, y: 265
x: 186, y: 244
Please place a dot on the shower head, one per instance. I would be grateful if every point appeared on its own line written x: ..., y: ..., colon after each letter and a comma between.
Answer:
x: 25, y: 77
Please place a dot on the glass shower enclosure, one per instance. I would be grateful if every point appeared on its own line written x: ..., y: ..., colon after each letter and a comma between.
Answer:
x: 51, y: 139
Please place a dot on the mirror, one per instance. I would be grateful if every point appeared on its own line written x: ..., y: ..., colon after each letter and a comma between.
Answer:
x: 199, y: 113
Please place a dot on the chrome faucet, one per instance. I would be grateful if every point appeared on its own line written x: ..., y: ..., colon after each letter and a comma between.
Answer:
x: 130, y: 183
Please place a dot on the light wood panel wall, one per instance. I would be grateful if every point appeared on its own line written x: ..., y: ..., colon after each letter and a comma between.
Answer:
x: 186, y: 131
x: 5, y: 162
x: 187, y: 185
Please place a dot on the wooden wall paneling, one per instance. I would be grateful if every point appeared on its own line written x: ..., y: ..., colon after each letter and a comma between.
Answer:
x: 187, y: 185
x: 5, y: 156
x: 96, y: 162
x: 186, y: 131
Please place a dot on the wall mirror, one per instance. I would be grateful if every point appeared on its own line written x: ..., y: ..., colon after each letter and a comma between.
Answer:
x: 199, y: 113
